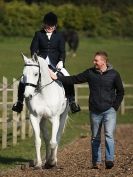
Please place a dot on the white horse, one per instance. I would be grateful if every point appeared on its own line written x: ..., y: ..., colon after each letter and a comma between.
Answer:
x: 45, y: 100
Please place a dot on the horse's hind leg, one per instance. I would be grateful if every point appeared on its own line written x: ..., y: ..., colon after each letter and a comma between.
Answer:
x: 63, y: 119
x: 36, y: 127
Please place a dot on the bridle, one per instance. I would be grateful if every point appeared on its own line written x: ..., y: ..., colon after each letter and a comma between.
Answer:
x: 39, y: 78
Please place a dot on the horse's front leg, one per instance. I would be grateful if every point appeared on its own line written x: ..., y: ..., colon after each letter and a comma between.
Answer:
x: 35, y: 121
x: 45, y: 134
x: 53, y: 142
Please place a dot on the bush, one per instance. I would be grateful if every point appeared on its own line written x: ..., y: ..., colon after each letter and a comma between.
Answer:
x: 127, y: 27
x: 19, y: 19
x: 90, y: 19
x: 110, y: 24
x: 70, y: 16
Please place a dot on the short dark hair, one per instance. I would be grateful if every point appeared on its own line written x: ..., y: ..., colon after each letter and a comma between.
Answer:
x: 50, y: 19
x: 103, y: 54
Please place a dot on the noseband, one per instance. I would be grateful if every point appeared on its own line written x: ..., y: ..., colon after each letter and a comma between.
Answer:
x: 30, y: 84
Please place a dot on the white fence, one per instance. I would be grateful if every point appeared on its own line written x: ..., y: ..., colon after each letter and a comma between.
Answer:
x: 125, y: 105
x: 19, y: 125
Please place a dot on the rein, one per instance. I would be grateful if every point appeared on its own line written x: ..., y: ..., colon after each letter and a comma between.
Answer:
x: 42, y: 87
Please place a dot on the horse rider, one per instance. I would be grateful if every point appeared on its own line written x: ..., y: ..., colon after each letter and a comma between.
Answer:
x: 49, y: 44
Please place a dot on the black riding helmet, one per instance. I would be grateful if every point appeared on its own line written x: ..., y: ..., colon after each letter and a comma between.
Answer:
x: 50, y: 19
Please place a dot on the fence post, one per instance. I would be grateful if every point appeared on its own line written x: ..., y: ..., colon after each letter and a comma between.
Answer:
x: 23, y: 123
x: 76, y: 93
x: 122, y: 109
x: 15, y: 116
x: 4, y: 114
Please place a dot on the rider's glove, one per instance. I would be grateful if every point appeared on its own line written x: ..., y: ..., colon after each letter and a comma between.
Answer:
x: 59, y: 65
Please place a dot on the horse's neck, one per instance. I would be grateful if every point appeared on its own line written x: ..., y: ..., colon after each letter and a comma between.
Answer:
x: 45, y: 76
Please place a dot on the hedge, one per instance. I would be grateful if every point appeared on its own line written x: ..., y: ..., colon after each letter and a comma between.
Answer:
x: 20, y: 19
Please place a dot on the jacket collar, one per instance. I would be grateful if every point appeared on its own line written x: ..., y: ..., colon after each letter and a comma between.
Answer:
x: 109, y: 67
x: 42, y: 30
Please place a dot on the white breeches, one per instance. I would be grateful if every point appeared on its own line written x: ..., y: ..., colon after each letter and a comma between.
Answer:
x: 64, y: 72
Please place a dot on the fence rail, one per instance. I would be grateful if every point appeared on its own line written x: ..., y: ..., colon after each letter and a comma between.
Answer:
x: 19, y: 125
x: 124, y: 105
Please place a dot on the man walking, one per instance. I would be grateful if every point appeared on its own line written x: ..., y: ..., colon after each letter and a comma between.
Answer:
x: 106, y: 94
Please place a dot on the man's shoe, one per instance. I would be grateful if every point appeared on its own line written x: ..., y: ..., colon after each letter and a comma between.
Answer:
x: 96, y: 165
x: 17, y: 107
x: 109, y: 164
x: 74, y: 107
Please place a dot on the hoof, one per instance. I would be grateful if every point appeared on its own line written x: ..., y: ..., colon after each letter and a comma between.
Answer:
x: 31, y: 163
x: 25, y: 166
x: 37, y: 167
x: 49, y: 166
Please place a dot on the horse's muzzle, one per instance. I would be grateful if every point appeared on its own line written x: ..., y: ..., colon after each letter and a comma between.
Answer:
x: 28, y: 97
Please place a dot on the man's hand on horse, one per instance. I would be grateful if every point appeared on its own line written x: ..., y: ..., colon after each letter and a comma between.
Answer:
x: 52, y: 74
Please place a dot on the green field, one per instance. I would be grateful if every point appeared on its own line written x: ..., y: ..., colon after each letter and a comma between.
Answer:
x: 119, y: 50
x: 11, y: 65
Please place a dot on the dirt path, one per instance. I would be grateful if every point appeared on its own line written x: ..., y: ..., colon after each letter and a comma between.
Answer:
x: 75, y: 159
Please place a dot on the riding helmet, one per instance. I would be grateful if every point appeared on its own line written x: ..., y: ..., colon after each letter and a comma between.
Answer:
x: 50, y: 19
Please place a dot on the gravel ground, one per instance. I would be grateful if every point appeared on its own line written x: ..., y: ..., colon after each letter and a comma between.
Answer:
x: 74, y: 160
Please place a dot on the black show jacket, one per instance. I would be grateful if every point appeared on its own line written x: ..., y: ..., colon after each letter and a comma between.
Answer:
x: 53, y: 48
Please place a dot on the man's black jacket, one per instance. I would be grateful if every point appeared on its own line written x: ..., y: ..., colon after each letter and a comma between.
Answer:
x: 53, y: 48
x: 106, y: 89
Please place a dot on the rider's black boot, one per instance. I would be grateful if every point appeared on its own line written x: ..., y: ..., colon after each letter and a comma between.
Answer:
x: 18, y: 106
x: 74, y: 107
x: 70, y: 94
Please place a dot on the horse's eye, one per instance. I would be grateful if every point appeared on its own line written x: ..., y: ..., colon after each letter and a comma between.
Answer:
x: 36, y: 74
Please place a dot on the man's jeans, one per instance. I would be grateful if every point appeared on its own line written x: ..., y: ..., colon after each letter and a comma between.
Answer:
x: 108, y: 119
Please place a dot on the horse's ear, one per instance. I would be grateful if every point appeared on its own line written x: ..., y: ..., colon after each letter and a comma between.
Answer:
x: 24, y: 57
x: 35, y: 57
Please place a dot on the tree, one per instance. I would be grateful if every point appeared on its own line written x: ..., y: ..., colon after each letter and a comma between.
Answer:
x: 29, y: 1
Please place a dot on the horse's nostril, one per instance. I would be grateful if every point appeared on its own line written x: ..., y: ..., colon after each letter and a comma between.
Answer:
x: 30, y: 96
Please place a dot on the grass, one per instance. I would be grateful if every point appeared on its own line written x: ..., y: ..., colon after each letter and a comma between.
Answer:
x: 11, y: 65
x: 11, y: 62
x: 119, y: 50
